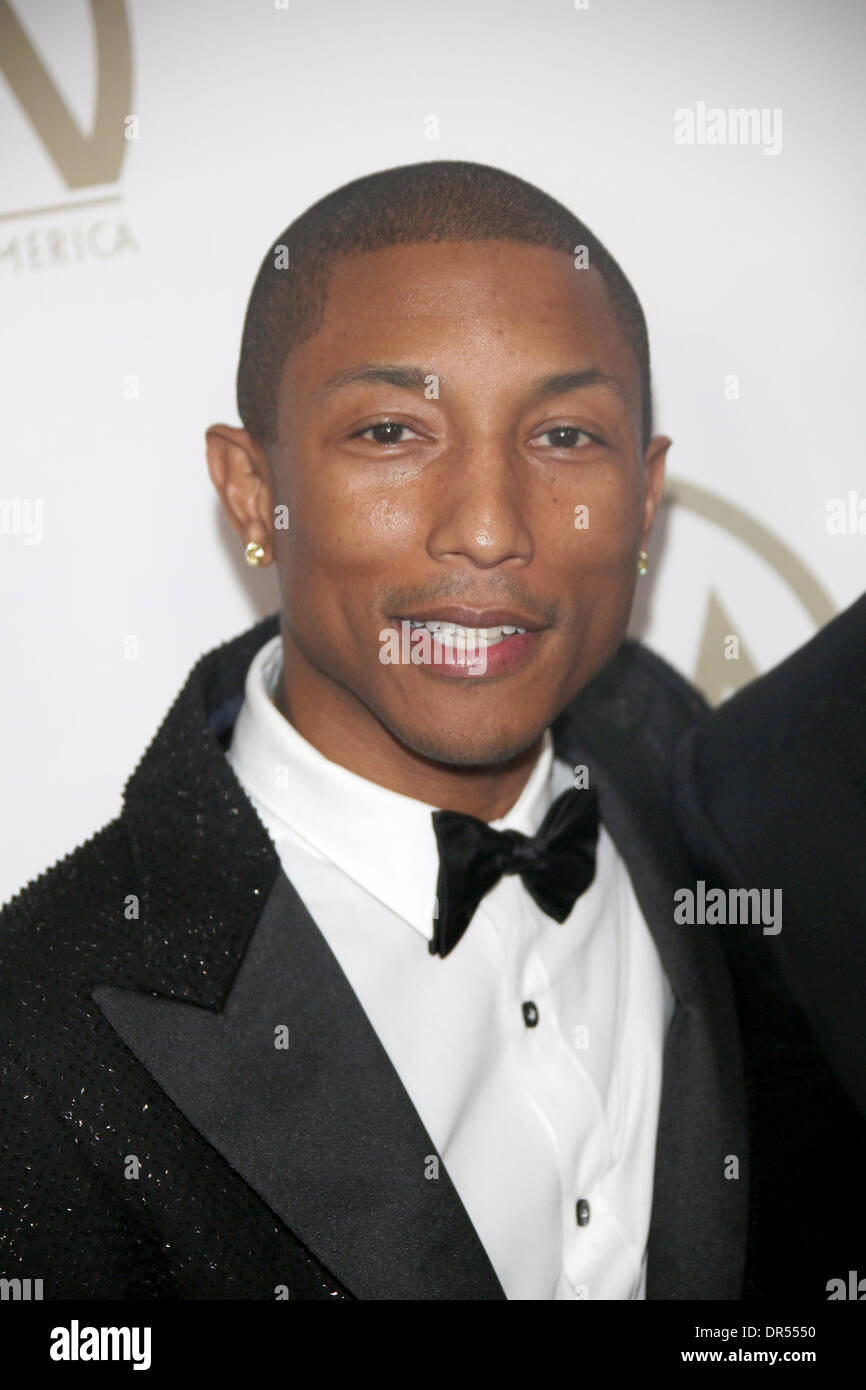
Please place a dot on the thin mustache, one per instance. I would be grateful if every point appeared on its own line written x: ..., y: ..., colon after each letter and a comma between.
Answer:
x: 515, y: 596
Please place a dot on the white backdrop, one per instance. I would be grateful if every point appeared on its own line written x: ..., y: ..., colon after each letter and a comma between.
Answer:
x: 126, y: 263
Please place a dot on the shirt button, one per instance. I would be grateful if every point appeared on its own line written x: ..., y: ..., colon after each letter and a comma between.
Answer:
x: 582, y: 1212
x: 530, y: 1014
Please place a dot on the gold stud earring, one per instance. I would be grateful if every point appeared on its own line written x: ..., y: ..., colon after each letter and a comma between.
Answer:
x: 253, y: 554
x: 642, y: 558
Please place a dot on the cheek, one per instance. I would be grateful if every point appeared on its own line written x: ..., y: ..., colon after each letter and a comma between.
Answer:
x: 589, y: 529
x: 342, y: 529
x: 386, y: 522
x: 588, y: 544
x: 584, y: 553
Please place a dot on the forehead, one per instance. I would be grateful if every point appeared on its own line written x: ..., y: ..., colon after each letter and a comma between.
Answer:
x: 454, y: 305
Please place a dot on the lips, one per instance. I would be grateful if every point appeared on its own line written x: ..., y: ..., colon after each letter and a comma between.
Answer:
x: 494, y: 643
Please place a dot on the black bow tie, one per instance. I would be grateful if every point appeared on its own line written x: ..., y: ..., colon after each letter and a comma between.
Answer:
x: 556, y: 865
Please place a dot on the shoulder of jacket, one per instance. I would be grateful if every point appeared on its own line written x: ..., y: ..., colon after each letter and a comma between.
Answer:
x: 44, y: 922
x: 637, y: 701
x: 685, y: 699
x: 645, y: 684
x: 74, y: 871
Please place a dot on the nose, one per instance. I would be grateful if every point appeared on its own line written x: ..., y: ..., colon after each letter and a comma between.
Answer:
x: 479, y: 508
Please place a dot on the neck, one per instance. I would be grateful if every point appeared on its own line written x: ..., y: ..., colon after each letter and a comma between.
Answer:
x: 341, y: 728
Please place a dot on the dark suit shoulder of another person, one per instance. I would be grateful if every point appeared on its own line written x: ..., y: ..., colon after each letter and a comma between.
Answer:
x: 770, y: 793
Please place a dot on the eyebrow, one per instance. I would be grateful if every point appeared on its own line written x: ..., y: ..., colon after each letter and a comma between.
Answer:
x: 560, y: 383
x: 411, y: 378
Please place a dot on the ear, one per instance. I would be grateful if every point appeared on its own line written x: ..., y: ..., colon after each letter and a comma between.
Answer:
x: 239, y: 471
x: 654, y: 468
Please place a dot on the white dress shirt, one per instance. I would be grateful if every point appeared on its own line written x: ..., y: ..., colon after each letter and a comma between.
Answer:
x: 528, y: 1120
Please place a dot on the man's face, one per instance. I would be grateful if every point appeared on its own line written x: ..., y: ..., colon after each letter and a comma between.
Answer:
x: 480, y: 485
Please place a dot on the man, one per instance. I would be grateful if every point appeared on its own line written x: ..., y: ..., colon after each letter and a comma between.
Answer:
x: 373, y: 989
x: 770, y: 791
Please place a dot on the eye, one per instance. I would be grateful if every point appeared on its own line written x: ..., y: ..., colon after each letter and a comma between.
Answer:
x: 383, y: 432
x: 568, y: 437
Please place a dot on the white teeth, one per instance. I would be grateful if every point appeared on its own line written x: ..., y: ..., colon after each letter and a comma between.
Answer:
x: 456, y: 634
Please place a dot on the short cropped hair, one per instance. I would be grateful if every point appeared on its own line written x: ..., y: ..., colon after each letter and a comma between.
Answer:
x: 439, y: 200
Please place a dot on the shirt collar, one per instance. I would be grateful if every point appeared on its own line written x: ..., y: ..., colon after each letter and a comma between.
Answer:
x: 383, y: 840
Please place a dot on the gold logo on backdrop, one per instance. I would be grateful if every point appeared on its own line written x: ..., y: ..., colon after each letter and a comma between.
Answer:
x: 81, y: 160
x: 713, y: 674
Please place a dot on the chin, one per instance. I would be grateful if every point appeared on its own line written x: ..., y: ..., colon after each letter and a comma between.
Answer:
x: 473, y: 748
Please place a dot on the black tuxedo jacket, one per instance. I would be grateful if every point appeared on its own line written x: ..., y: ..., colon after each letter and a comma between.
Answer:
x: 770, y: 792
x: 156, y: 1143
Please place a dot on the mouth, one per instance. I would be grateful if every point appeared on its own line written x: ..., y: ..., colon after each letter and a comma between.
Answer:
x: 476, y: 642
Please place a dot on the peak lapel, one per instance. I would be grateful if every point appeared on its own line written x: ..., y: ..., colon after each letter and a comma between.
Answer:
x: 323, y: 1129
